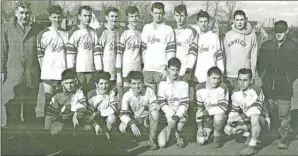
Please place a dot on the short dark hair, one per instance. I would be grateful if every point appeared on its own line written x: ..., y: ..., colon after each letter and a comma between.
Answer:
x: 131, y: 10
x: 214, y: 70
x: 54, y: 9
x: 111, y: 9
x: 68, y: 74
x: 101, y: 75
x: 23, y: 4
x: 158, y: 5
x: 135, y: 75
x: 239, y: 12
x: 245, y: 71
x: 84, y: 7
x: 180, y: 8
x: 174, y: 62
x: 203, y: 14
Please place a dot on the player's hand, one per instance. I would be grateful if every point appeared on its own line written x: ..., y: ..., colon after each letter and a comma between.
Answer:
x: 119, y: 80
x: 172, y: 123
x: 199, y: 114
x: 267, y: 119
x: 75, y: 120
x: 164, y: 74
x: 98, y: 130
x: 139, y: 112
x: 3, y: 77
x: 135, y: 130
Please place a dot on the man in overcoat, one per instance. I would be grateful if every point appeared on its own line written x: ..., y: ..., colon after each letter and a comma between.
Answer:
x: 20, y: 72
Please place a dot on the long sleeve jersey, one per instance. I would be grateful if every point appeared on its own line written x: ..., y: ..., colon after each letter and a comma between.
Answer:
x: 173, y: 98
x: 132, y: 104
x: 64, y: 103
x: 129, y: 47
x: 83, y: 51
x: 247, y: 103
x: 212, y: 100
x: 51, y: 46
x: 209, y: 55
x: 106, y: 104
x: 158, y: 46
x: 187, y: 49
x: 108, y: 40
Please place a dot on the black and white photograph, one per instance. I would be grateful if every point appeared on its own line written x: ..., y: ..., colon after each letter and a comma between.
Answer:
x: 149, y: 77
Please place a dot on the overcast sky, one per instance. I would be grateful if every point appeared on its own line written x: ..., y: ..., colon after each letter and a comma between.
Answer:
x: 255, y: 10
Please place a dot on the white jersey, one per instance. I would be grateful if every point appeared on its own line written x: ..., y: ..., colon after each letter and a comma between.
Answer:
x: 129, y: 46
x: 186, y: 39
x: 106, y: 103
x: 132, y: 104
x: 51, y: 46
x: 174, y: 96
x: 209, y: 52
x: 158, y: 46
x: 84, y: 44
x: 108, y: 40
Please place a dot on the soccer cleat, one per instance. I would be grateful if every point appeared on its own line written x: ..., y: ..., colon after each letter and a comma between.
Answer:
x: 152, y: 144
x: 282, y: 144
x: 217, y: 142
x: 249, y: 150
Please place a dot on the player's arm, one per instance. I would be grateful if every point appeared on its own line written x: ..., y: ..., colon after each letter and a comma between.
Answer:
x: 193, y: 53
x: 144, y: 41
x: 255, y: 108
x: 98, y: 53
x: 222, y: 104
x: 4, y: 49
x: 162, y: 102
x: 219, y: 55
x: 41, y: 45
x: 171, y: 44
x: 53, y: 107
x: 71, y: 49
x: 235, y: 109
x: 254, y: 55
x: 119, y: 56
x: 184, y: 102
x: 81, y: 103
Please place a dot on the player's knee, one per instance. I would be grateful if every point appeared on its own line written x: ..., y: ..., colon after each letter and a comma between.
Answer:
x: 154, y: 115
x: 219, y: 118
x: 228, y: 130
x: 201, y: 140
x: 54, y: 131
x: 122, y: 127
x: 111, y: 119
x: 162, y: 143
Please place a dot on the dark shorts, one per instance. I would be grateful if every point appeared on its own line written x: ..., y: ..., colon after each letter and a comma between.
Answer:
x: 152, y: 77
x: 54, y: 83
x: 85, y: 78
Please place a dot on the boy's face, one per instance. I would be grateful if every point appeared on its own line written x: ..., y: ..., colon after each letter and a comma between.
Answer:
x: 203, y: 23
x: 244, y: 81
x: 240, y: 22
x: 180, y: 18
x: 112, y: 18
x: 157, y: 15
x: 55, y: 19
x: 103, y: 86
x: 173, y: 72
x: 137, y: 86
x: 213, y: 80
x: 280, y: 36
x: 85, y: 17
x: 69, y: 84
x: 133, y: 18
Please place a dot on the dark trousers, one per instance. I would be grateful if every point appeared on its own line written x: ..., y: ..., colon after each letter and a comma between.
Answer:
x: 282, y: 109
x: 28, y: 98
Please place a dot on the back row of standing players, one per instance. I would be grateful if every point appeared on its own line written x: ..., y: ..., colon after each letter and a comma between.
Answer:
x: 154, y: 50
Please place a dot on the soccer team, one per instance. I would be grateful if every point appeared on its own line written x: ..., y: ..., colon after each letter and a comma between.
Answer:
x: 92, y: 78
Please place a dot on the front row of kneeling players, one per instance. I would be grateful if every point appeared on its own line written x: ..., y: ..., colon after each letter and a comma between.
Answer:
x: 140, y: 107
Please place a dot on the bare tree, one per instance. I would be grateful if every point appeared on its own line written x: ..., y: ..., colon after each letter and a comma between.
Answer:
x: 228, y: 9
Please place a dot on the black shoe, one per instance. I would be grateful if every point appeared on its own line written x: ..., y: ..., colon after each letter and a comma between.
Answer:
x: 217, y: 142
x: 282, y: 144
